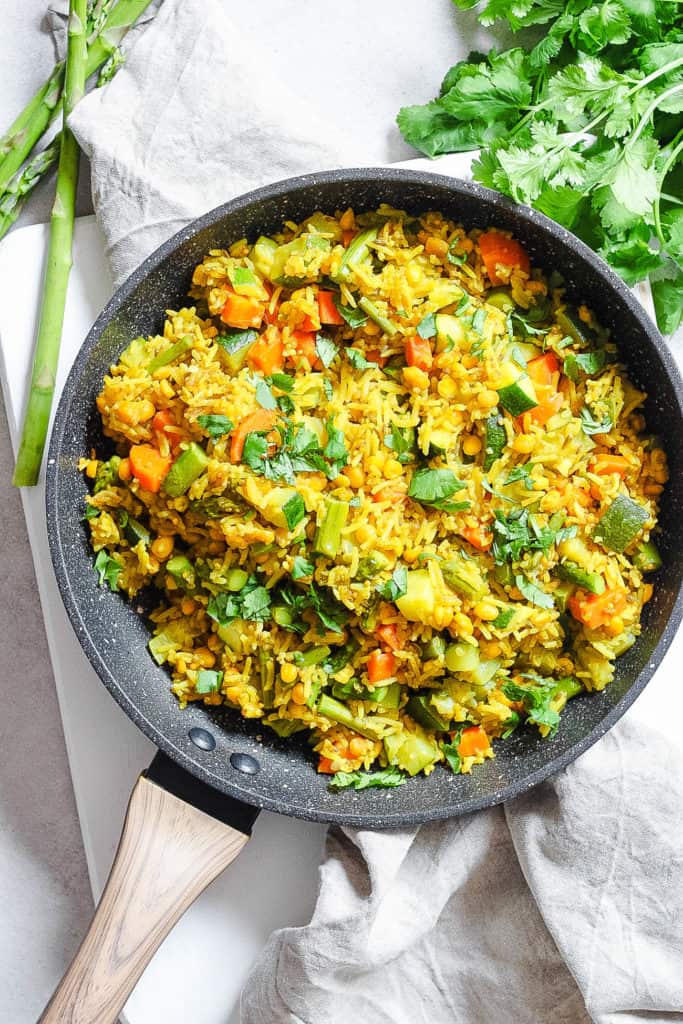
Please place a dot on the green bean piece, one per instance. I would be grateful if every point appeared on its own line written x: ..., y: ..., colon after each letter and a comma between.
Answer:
x: 356, y: 253
x: 328, y: 535
x: 169, y: 355
x: 189, y: 465
x: 313, y: 656
x: 371, y: 309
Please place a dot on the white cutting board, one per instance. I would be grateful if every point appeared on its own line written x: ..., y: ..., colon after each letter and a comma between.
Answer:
x: 196, y: 975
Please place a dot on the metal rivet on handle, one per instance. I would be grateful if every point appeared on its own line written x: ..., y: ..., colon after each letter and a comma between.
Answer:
x: 202, y: 738
x: 244, y: 763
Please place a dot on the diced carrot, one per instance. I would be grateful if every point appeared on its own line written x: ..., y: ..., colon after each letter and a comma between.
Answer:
x: 605, y: 464
x: 325, y: 766
x: 373, y: 355
x: 478, y: 536
x: 267, y: 354
x: 381, y: 665
x: 329, y: 314
x: 595, y: 610
x: 164, y: 418
x: 166, y: 429
x: 543, y: 369
x: 305, y: 349
x: 550, y: 401
x: 348, y: 237
x: 309, y: 324
x: 242, y: 311
x: 473, y: 741
x: 499, y: 250
x: 258, y: 420
x: 419, y: 352
x: 388, y: 635
x: 388, y: 493
x: 148, y: 466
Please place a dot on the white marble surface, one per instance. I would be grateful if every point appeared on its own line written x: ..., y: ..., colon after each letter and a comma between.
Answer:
x: 390, y: 52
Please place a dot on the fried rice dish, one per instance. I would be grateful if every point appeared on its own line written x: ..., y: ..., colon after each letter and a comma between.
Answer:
x: 388, y: 487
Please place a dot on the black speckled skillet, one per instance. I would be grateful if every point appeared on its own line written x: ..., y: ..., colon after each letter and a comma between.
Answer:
x: 218, y: 763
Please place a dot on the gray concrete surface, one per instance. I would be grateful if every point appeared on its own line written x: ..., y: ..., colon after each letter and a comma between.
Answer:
x: 45, y: 900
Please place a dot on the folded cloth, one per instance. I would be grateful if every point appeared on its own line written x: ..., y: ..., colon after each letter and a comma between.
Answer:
x: 567, y: 904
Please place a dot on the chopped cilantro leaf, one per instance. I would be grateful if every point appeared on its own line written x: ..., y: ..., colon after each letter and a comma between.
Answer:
x: 450, y: 751
x: 108, y: 570
x: 433, y: 487
x: 401, y: 440
x: 335, y: 451
x: 354, y: 317
x: 478, y: 320
x: 255, y: 603
x: 252, y: 602
x: 590, y: 425
x: 302, y: 568
x: 385, y: 778
x: 285, y: 404
x: 427, y: 326
x: 395, y: 587
x: 294, y: 510
x: 215, y: 425
x: 358, y: 360
x: 503, y: 618
x: 536, y: 701
x: 533, y: 593
x: 282, y: 381
x: 326, y: 349
x: 510, y: 724
x: 331, y: 613
x: 457, y: 258
x: 519, y: 531
x: 264, y: 396
x: 254, y: 452
x: 589, y: 362
x: 520, y: 473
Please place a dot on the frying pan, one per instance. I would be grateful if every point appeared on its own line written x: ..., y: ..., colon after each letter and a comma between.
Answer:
x: 192, y: 812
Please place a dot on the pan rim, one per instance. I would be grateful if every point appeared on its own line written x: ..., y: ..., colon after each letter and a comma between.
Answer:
x: 289, y: 806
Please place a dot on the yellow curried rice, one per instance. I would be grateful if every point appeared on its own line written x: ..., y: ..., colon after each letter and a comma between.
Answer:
x: 390, y: 486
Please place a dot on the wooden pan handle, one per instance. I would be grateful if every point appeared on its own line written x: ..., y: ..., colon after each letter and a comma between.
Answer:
x: 169, y: 852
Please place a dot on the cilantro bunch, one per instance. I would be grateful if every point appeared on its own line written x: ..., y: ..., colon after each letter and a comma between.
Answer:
x: 585, y: 124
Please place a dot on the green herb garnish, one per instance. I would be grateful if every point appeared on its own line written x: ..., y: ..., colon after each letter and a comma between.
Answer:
x: 215, y: 425
x: 386, y: 778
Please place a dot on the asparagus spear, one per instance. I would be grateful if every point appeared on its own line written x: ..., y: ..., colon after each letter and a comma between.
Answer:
x: 59, y: 261
x: 33, y: 121
x: 23, y: 183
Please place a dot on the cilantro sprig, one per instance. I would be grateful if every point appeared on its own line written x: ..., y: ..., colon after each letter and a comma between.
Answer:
x: 300, y: 451
x: 519, y: 531
x: 584, y: 125
x: 435, y: 488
